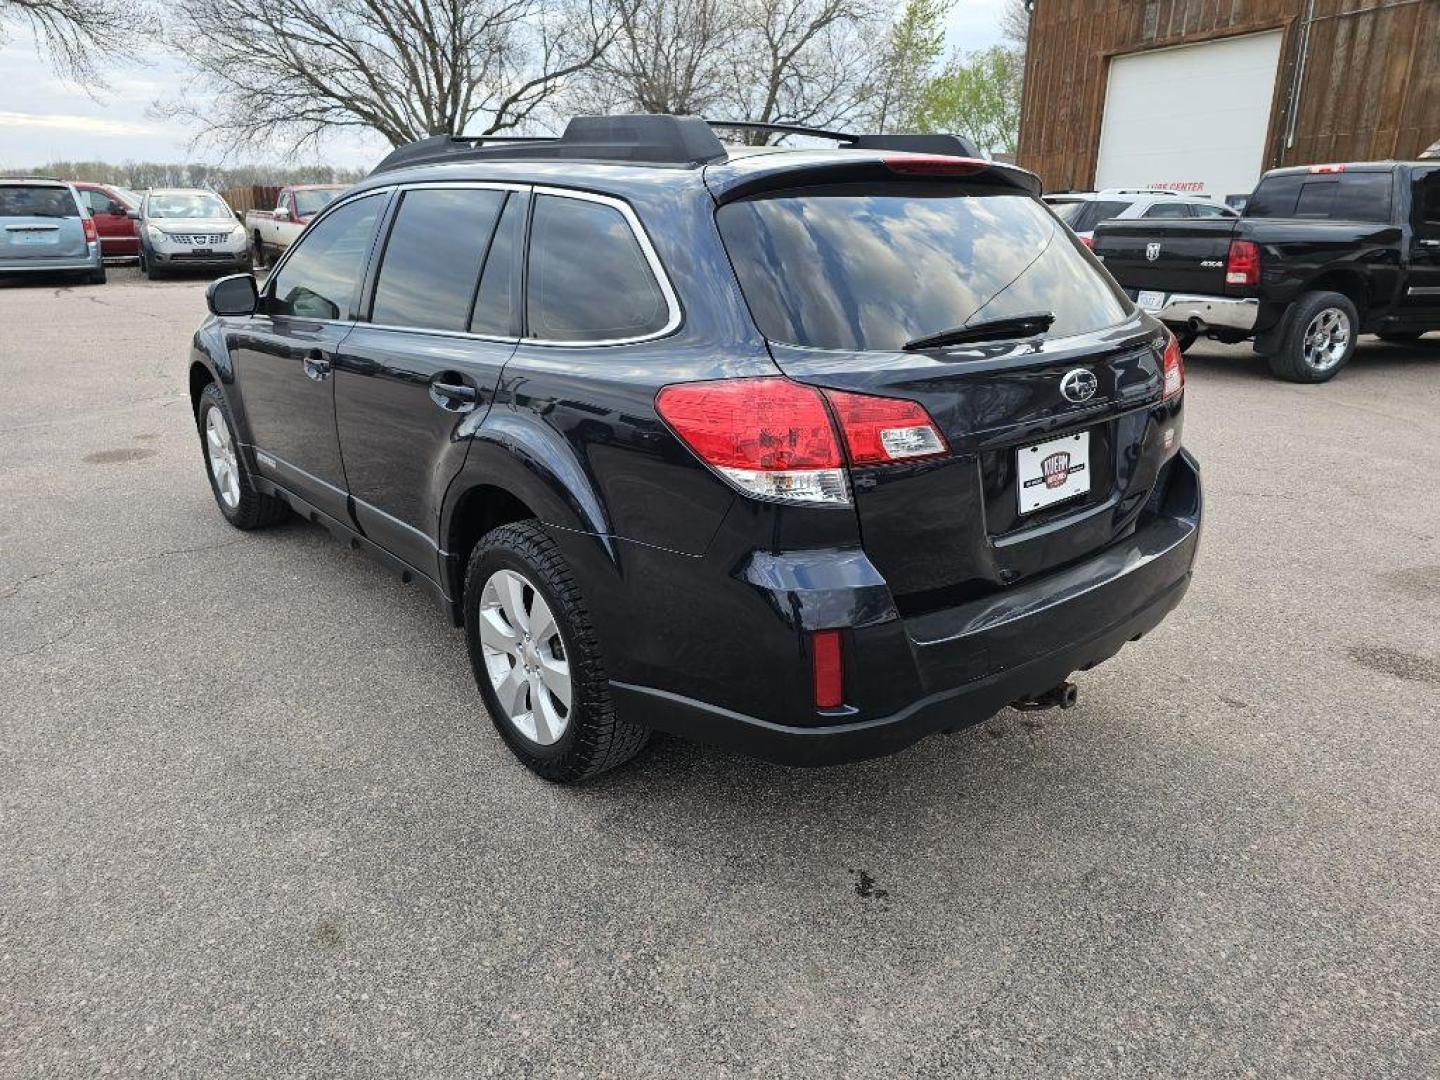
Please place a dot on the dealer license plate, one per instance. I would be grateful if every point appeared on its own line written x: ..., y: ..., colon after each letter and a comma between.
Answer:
x: 1053, y: 471
x: 1150, y: 300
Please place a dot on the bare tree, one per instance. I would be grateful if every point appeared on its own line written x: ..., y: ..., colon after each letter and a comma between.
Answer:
x: 75, y: 31
x: 287, y: 72
x: 1015, y: 24
x: 669, y: 56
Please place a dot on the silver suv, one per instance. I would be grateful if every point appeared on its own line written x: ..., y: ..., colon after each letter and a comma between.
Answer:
x: 44, y: 228
x: 1083, y: 210
x: 189, y: 227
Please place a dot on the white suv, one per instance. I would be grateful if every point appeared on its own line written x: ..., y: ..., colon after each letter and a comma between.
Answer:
x: 1083, y: 210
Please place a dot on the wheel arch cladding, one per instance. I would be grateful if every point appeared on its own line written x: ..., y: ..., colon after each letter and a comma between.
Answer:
x: 200, y: 377
x: 1349, y: 283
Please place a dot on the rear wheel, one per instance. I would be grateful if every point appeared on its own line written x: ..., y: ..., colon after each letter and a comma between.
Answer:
x: 96, y: 276
x: 257, y: 248
x: 1318, y: 340
x: 230, y: 482
x: 537, y: 660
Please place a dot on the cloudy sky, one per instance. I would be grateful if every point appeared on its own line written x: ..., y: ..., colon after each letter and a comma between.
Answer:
x: 43, y: 118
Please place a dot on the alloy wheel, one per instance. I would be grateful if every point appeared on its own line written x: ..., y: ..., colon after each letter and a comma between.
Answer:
x: 1327, y: 339
x: 224, y: 463
x: 525, y: 657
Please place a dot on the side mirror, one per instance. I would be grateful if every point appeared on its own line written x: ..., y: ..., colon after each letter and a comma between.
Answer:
x: 234, y: 295
x: 282, y: 213
x: 133, y: 215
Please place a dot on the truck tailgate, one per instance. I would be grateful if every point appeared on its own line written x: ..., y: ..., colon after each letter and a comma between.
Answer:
x: 1173, y: 256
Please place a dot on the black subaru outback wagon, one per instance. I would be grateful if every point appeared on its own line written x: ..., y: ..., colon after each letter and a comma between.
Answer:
x: 807, y: 452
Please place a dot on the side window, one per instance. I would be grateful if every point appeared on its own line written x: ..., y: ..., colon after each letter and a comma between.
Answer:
x: 319, y: 278
x: 431, y: 265
x: 1168, y: 210
x: 1363, y: 196
x: 1202, y: 211
x: 94, y: 201
x: 497, y: 307
x: 1425, y: 194
x: 1275, y: 197
x: 589, y: 279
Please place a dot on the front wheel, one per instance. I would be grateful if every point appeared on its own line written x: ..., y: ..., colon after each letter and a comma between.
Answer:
x: 537, y: 660
x: 1319, y: 339
x: 149, y: 269
x: 230, y: 482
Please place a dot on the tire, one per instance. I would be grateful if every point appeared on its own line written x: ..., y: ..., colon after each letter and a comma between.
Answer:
x: 151, y: 271
x: 257, y: 247
x: 1185, y: 338
x: 1319, y: 338
x: 96, y: 277
x: 591, y: 738
x: 234, y: 491
x: 1405, y: 337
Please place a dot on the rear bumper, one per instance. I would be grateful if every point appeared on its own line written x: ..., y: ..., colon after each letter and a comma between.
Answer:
x: 973, y: 660
x: 51, y: 265
x: 1209, y: 312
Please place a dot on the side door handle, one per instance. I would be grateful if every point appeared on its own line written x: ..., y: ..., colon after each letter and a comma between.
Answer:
x: 317, y: 365
x: 452, y: 393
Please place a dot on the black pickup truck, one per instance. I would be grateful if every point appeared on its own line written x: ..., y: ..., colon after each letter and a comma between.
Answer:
x: 1321, y: 254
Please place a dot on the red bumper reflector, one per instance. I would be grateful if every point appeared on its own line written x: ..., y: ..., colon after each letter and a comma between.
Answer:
x: 829, y: 676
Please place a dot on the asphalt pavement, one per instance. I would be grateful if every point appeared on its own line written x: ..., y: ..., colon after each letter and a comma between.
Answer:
x: 254, y: 821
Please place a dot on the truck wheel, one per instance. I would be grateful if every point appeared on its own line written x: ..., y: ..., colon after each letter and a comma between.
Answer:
x: 258, y: 246
x: 235, y: 494
x: 1319, y: 340
x: 537, y: 661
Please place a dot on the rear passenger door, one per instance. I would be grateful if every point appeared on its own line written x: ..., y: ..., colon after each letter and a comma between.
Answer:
x: 1422, y: 284
x: 418, y: 373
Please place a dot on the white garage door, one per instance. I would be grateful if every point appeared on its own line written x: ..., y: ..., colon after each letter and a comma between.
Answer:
x: 1192, y: 118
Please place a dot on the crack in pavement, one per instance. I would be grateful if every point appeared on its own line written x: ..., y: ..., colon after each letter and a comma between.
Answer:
x: 14, y: 588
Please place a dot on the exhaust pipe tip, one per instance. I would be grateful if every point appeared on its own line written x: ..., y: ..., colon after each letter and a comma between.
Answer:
x: 1063, y: 696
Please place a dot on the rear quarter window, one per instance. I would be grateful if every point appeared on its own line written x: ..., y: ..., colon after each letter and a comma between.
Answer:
x: 589, y: 279
x: 1351, y: 196
x: 854, y: 268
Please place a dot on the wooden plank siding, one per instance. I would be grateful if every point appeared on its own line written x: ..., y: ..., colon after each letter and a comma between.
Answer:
x: 1370, y: 86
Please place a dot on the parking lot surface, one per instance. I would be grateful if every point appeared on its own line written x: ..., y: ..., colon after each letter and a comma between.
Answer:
x: 255, y: 823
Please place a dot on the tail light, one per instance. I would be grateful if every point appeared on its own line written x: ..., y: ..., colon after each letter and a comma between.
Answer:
x: 829, y: 674
x: 1243, y: 266
x: 881, y: 430
x: 775, y: 439
x: 1088, y: 241
x: 1172, y: 372
x: 1327, y: 168
x: 88, y: 224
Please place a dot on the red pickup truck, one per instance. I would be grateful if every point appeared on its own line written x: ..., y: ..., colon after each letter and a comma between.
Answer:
x: 271, y: 231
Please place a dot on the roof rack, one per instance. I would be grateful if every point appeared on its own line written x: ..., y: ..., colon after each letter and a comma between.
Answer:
x: 645, y: 139
x: 910, y: 142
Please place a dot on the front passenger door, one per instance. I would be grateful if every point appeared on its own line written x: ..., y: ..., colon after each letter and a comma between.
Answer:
x: 284, y: 355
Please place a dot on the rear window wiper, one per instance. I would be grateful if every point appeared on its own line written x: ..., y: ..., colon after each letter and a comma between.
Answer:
x: 1013, y: 326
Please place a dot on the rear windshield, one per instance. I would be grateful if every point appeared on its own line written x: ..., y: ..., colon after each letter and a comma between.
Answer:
x: 18, y: 200
x: 1356, y: 196
x: 843, y: 267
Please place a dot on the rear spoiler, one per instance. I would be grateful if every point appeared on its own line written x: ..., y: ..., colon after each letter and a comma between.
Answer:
x: 773, y: 172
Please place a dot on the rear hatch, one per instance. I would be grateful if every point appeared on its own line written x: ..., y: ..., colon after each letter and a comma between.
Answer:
x: 840, y: 277
x: 1173, y: 255
x: 39, y: 221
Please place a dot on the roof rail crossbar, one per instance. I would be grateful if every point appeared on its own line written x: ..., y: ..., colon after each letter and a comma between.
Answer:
x: 643, y: 139
x: 908, y: 142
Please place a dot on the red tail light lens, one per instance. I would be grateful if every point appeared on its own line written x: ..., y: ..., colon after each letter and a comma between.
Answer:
x: 934, y: 165
x: 881, y: 430
x: 828, y: 669
x: 770, y: 437
x: 1173, y: 370
x: 1243, y: 266
x: 88, y: 224
x: 1088, y: 241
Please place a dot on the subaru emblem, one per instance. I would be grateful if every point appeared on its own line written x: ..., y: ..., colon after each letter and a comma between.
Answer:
x: 1079, y: 385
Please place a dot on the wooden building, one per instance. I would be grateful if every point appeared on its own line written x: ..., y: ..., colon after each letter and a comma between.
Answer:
x: 1206, y: 95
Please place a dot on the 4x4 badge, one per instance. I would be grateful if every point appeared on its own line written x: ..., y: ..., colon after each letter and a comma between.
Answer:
x: 1079, y: 385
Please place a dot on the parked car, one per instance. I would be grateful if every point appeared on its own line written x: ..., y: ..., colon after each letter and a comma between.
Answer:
x: 272, y: 231
x: 1083, y: 210
x: 110, y: 208
x: 798, y: 451
x: 1323, y: 253
x: 184, y: 228
x: 44, y: 228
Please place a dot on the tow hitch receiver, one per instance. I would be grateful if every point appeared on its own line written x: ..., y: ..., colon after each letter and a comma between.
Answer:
x: 1057, y: 697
